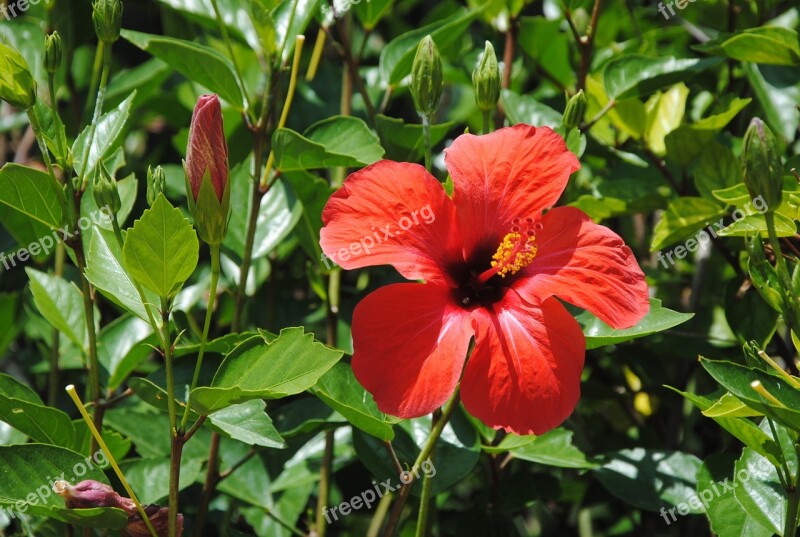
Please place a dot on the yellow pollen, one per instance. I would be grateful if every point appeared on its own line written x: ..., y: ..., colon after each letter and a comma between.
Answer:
x: 516, y: 251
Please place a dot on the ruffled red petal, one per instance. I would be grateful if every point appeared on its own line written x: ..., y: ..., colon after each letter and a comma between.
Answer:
x: 524, y: 374
x: 391, y: 213
x: 587, y: 265
x: 409, y: 345
x: 515, y: 172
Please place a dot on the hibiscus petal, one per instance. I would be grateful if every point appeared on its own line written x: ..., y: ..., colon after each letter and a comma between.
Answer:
x: 514, y: 172
x: 524, y: 374
x: 363, y: 221
x: 586, y: 265
x: 410, y: 341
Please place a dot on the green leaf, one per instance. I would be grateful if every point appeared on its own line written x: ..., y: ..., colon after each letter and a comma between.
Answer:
x: 650, y: 479
x: 61, y: 303
x: 777, y: 90
x: 633, y: 75
x: 760, y: 495
x: 717, y: 168
x: 664, y: 115
x: 161, y: 249
x: 457, y: 452
x: 247, y: 422
x: 106, y: 138
x: 738, y: 380
x: 104, y: 269
x: 41, y: 423
x: 278, y: 214
x: 554, y: 448
x: 754, y: 224
x: 688, y: 142
x: 724, y: 512
x: 545, y: 42
x: 30, y: 202
x: 150, y: 477
x: 299, y: 13
x: 774, y: 45
x: 313, y: 194
x: 403, y: 141
x: 743, y: 429
x: 198, y: 63
x: 120, y: 347
x: 599, y: 334
x: 526, y: 109
x: 371, y: 12
x: 289, y: 365
x: 336, y: 141
x: 33, y: 468
x: 340, y: 390
x: 398, y: 56
x: 683, y: 217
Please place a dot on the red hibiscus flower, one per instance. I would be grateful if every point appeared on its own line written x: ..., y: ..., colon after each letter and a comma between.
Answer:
x: 493, y: 264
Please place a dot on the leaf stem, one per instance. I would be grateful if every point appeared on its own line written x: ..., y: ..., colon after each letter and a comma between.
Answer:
x: 98, y: 109
x: 227, y: 38
x: 287, y: 105
x: 36, y: 126
x: 112, y: 461
x: 426, y: 140
x: 88, y: 312
x: 215, y: 270
x: 789, y: 298
x: 427, y: 449
x: 325, y: 477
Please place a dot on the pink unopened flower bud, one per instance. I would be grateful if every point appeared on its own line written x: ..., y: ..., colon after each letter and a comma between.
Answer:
x: 89, y: 493
x: 207, y: 187
x: 207, y: 150
x: 159, y: 518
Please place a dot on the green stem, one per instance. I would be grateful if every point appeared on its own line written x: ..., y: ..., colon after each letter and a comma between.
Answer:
x: 94, y: 370
x: 215, y: 270
x: 52, y: 384
x: 98, y: 109
x: 93, y: 85
x: 792, y: 506
x: 424, y: 508
x: 326, y: 474
x: 427, y: 449
x: 175, y: 459
x: 789, y: 298
x: 226, y: 37
x: 36, y: 126
x: 487, y: 122
x: 426, y: 140
x: 51, y: 87
x: 139, y: 290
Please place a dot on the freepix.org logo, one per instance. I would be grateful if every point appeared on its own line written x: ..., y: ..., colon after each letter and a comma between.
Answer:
x: 17, y: 7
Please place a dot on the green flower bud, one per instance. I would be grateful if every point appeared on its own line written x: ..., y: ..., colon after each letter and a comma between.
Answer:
x: 576, y: 108
x: 105, y: 189
x: 156, y: 183
x: 486, y: 80
x: 17, y: 86
x: 52, y: 52
x: 761, y: 164
x: 107, y: 19
x: 427, y: 80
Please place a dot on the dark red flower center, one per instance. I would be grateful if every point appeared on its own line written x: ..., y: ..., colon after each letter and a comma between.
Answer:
x: 484, y: 278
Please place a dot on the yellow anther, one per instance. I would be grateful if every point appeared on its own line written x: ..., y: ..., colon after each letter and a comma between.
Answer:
x: 516, y: 251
